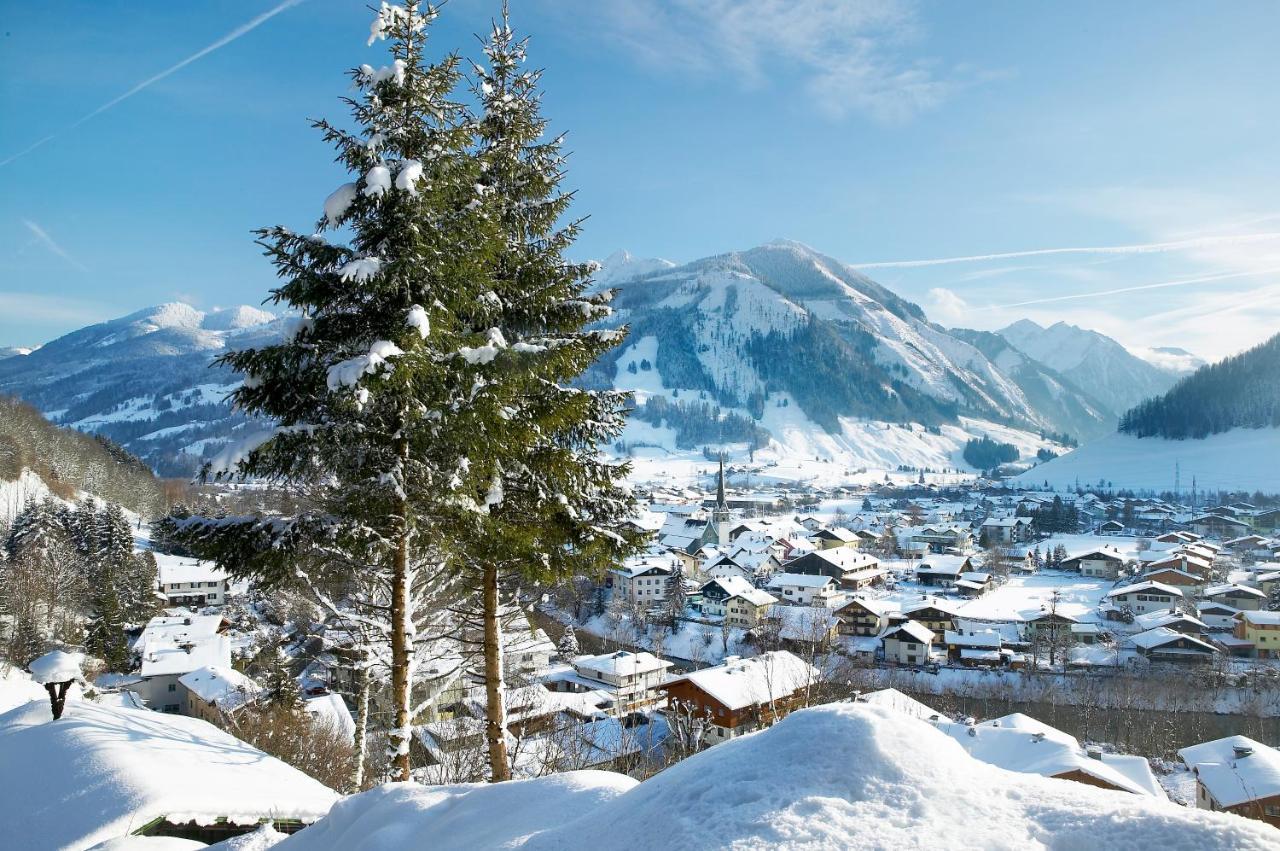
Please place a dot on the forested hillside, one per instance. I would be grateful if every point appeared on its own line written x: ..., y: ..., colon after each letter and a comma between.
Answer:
x: 69, y: 461
x: 1242, y: 391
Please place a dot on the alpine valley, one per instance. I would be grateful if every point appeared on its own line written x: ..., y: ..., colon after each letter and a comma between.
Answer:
x: 778, y: 349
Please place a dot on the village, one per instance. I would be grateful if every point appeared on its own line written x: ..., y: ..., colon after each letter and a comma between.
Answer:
x: 746, y: 607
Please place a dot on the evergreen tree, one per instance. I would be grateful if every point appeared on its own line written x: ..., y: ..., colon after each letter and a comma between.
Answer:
x: 553, y: 503
x: 105, y: 636
x: 280, y: 688
x: 677, y: 594
x: 26, y: 643
x: 568, y: 646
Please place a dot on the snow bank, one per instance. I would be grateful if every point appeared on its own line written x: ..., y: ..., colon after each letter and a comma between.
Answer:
x: 399, y: 816
x: 101, y: 772
x: 17, y: 688
x: 837, y: 776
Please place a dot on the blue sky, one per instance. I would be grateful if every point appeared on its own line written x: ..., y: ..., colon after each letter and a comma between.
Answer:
x: 883, y: 131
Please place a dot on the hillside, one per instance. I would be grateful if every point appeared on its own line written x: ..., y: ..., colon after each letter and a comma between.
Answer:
x: 837, y: 776
x: 144, y: 380
x: 37, y: 457
x: 1119, y: 378
x: 1242, y: 391
x: 1242, y: 459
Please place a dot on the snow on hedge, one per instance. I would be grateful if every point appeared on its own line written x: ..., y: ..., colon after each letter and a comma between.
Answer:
x: 837, y: 776
x: 102, y: 772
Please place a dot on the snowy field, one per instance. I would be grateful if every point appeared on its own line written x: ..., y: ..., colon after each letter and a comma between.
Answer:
x: 1240, y: 460
x: 1020, y: 598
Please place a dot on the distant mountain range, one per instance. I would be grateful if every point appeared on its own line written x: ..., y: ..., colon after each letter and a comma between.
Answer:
x: 739, y: 347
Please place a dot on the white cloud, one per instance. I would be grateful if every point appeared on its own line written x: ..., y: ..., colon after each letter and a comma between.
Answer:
x: 848, y: 52
x: 948, y: 308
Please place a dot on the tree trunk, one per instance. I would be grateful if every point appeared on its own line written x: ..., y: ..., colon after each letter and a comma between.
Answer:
x: 401, y: 732
x: 495, y: 688
x: 362, y: 728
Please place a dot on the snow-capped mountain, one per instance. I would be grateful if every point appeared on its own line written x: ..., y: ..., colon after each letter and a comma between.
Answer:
x: 1171, y: 359
x: 13, y: 351
x: 1118, y: 377
x: 144, y: 380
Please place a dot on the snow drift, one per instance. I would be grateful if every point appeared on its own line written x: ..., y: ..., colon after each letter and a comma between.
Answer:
x: 838, y: 776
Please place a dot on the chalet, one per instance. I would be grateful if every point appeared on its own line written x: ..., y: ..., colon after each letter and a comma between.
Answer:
x: 1110, y: 527
x: 980, y: 648
x: 809, y: 523
x: 1143, y: 597
x: 1236, y: 775
x: 804, y: 589
x: 1104, y: 562
x: 726, y: 567
x: 1238, y: 596
x: 974, y: 583
x: 941, y: 539
x: 645, y: 580
x: 802, y: 629
x: 1163, y: 644
x: 742, y: 695
x: 1260, y: 632
x: 1217, y: 616
x: 942, y: 570
x: 1219, y: 526
x: 937, y: 615
x: 190, y: 582
x: 908, y: 643
x: 214, y: 693
x: 1268, y: 578
x: 853, y: 570
x: 1174, y: 619
x: 632, y: 679
x: 747, y: 609
x: 1047, y: 626
x: 1267, y: 521
x: 863, y: 617
x: 1174, y: 576
x: 1247, y: 544
x: 834, y: 538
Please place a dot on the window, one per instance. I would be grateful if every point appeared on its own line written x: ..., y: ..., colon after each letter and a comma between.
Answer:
x: 173, y: 686
x: 171, y: 708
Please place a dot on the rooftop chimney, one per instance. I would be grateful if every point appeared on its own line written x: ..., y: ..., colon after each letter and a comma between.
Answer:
x: 1037, y: 737
x: 1094, y: 753
x: 1242, y: 751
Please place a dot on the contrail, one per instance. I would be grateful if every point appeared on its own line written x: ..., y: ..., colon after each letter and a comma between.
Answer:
x: 200, y: 54
x: 1143, y: 248
x: 1162, y: 285
x: 49, y: 242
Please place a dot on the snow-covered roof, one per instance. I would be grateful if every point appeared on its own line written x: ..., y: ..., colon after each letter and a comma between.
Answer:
x: 1151, y: 620
x: 102, y: 772
x: 183, y: 569
x: 1231, y: 588
x: 1236, y: 769
x: 1260, y: 618
x: 800, y: 580
x: 331, y: 707
x: 987, y: 638
x: 223, y: 686
x: 633, y: 568
x: 756, y: 597
x: 913, y: 630
x: 161, y: 658
x: 1161, y: 635
x: 1143, y: 587
x: 621, y: 663
x: 789, y: 786
x: 740, y: 683
x: 893, y: 699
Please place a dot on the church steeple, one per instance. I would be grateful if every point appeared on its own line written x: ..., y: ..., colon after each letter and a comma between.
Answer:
x: 720, y: 516
x: 720, y: 500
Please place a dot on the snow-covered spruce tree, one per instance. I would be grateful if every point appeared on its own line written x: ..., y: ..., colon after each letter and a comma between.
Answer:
x: 554, y: 504
x: 568, y: 646
x: 104, y: 635
x: 373, y: 414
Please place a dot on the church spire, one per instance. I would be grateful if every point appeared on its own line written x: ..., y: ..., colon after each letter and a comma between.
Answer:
x: 720, y: 500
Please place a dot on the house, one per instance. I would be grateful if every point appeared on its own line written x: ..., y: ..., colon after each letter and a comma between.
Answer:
x: 1237, y: 596
x: 863, y: 617
x: 974, y: 583
x: 742, y: 695
x: 1175, y: 577
x: 1182, y: 560
x: 632, y: 679
x: 941, y: 539
x: 804, y: 589
x: 1172, y: 619
x: 215, y: 692
x: 736, y: 600
x: 173, y: 646
x: 1163, y: 644
x: 802, y: 629
x: 1006, y: 530
x: 1219, y: 526
x: 1236, y: 775
x: 643, y: 581
x: 939, y: 616
x: 853, y: 570
x: 103, y: 773
x: 1019, y: 743
x: 908, y: 643
x: 1217, y: 616
x: 191, y: 582
x: 830, y: 539
x: 1143, y: 597
x: 1104, y: 562
x: 1110, y: 527
x: 942, y: 570
x: 1047, y: 627
x: 1259, y: 633
x: 975, y: 648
